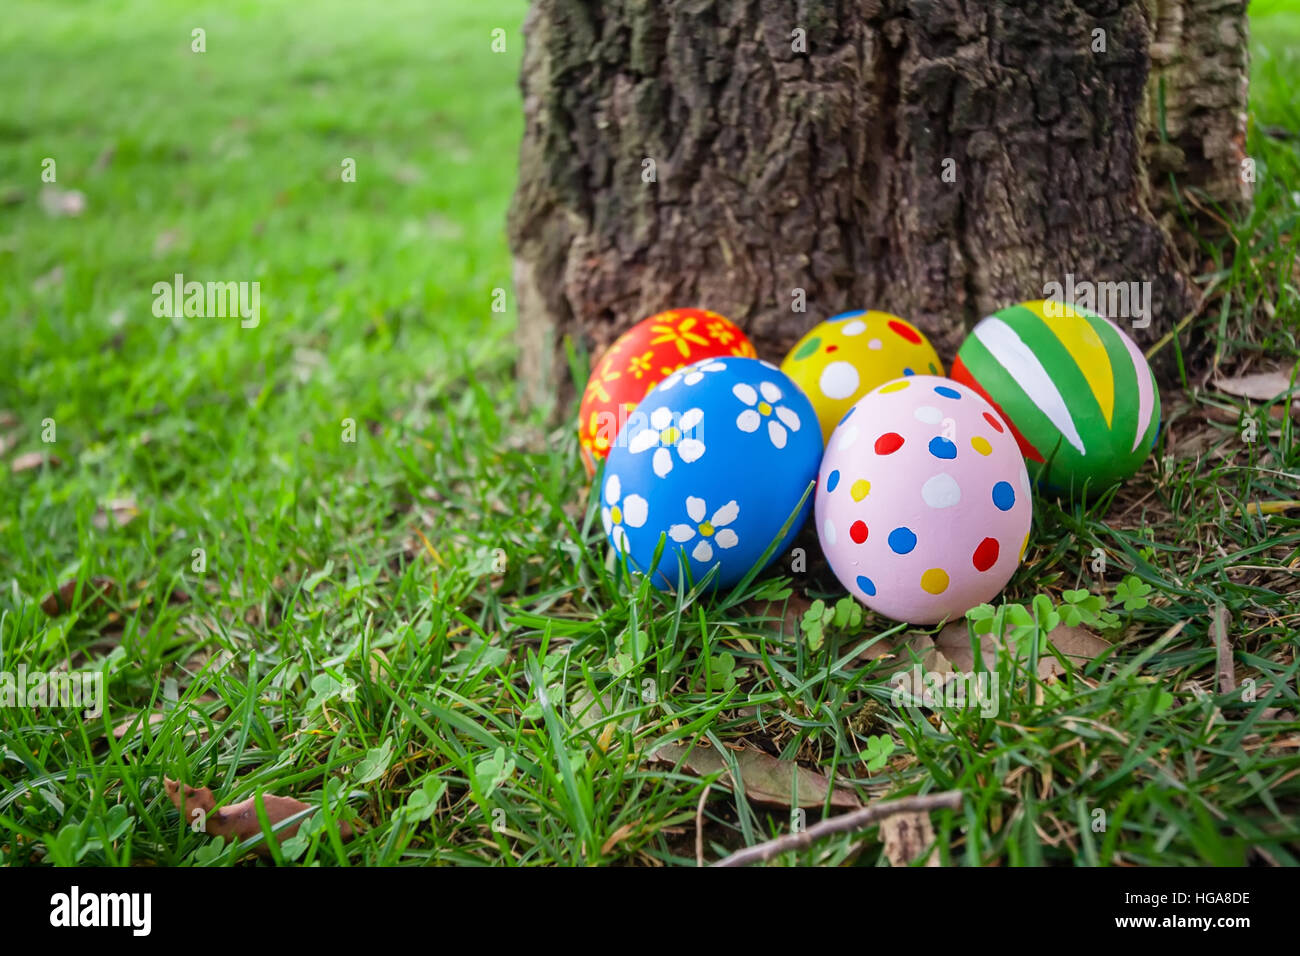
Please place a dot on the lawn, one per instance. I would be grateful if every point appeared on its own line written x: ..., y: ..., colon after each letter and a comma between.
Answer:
x: 331, y: 556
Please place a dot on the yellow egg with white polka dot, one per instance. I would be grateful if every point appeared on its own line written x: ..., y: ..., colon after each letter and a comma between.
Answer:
x: 843, y: 358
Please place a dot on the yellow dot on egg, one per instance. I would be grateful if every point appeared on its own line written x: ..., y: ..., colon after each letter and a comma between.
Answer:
x: 707, y: 529
x: 898, y: 386
x: 669, y: 436
x: 765, y: 408
x: 1024, y: 545
x: 981, y: 445
x: 935, y: 581
x: 861, y: 488
x: 616, y: 514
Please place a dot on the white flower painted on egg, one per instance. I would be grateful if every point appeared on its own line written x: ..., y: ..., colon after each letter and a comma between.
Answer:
x: 664, y: 436
x: 691, y: 375
x: 619, y: 511
x: 763, y: 406
x: 713, y: 530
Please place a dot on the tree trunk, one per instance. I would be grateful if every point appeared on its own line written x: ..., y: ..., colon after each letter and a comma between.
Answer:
x: 938, y: 159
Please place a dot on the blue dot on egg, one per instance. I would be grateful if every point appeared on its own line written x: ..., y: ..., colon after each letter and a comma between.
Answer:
x: 1004, y: 496
x: 866, y: 585
x: 947, y: 392
x: 908, y: 371
x: 832, y: 480
x: 941, y: 447
x: 902, y: 540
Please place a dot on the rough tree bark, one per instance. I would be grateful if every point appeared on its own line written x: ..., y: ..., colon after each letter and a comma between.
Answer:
x: 803, y: 145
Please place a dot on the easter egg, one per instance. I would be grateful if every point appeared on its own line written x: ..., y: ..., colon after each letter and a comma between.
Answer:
x: 647, y: 353
x: 715, y: 460
x: 923, y: 501
x: 843, y: 358
x: 1077, y: 392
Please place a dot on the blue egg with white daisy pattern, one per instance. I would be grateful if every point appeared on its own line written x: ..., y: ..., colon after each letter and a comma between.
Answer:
x: 714, y: 461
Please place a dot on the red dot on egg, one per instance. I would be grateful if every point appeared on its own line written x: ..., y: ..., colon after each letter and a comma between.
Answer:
x: 859, y: 532
x: 993, y: 420
x: 905, y: 332
x: 888, y: 443
x: 832, y: 348
x: 986, y: 555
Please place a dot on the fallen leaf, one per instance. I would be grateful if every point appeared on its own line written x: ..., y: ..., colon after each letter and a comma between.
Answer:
x: 906, y: 837
x: 619, y: 835
x: 766, y: 779
x: 28, y: 461
x: 1078, y: 644
x: 918, y: 655
x: 59, y: 601
x: 789, y: 612
x: 1228, y: 416
x: 133, y: 723
x: 1260, y: 387
x: 239, y: 820
x: 1271, y: 507
x: 118, y: 511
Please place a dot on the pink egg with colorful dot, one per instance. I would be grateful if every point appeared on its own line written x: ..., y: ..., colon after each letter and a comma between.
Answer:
x: 923, y: 501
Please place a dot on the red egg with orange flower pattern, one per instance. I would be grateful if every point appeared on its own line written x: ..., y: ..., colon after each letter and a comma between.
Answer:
x: 642, y: 357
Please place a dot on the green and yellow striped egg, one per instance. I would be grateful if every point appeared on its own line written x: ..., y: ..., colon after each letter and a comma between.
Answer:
x: 1077, y: 392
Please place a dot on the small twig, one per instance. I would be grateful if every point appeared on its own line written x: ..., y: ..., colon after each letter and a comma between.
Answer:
x: 1227, y: 678
x: 699, y: 826
x: 844, y: 823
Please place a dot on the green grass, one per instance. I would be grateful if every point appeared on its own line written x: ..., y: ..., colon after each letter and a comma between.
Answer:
x: 374, y: 615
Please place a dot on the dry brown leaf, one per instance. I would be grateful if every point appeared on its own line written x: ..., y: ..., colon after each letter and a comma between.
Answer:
x: 133, y: 723
x: 29, y: 461
x: 789, y: 612
x: 619, y: 835
x: 1078, y: 644
x: 1271, y: 507
x: 1260, y: 387
x: 907, y: 836
x: 118, y: 511
x: 59, y: 601
x: 1228, y: 416
x: 767, y: 780
x: 239, y: 820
